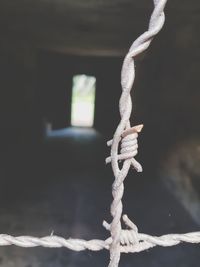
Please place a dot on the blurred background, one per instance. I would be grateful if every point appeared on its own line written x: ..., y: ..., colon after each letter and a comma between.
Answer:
x: 60, y: 63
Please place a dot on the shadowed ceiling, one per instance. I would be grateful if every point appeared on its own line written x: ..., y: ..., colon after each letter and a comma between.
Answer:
x: 84, y: 26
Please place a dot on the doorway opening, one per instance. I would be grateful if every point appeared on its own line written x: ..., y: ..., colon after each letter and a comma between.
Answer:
x: 83, y: 100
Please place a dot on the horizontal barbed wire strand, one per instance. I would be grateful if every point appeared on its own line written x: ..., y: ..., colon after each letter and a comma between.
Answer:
x: 145, y: 242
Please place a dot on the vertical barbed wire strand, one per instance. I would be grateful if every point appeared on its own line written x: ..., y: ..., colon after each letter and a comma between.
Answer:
x: 125, y: 105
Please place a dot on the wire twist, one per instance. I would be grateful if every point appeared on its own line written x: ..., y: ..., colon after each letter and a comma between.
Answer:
x: 129, y: 146
x: 125, y: 106
x: 131, y: 241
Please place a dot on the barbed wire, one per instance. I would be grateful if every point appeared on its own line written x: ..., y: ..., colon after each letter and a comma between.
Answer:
x: 121, y: 240
x: 125, y: 106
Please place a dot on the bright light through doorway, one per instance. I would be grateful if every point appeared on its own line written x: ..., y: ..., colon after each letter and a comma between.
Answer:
x: 83, y: 100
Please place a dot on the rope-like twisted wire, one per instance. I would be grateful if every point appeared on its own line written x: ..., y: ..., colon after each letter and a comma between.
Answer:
x: 143, y: 243
x: 125, y: 104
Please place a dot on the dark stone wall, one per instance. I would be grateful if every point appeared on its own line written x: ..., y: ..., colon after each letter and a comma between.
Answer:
x: 36, y: 88
x: 20, y: 116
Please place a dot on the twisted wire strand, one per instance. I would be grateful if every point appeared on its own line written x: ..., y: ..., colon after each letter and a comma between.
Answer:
x: 128, y: 245
x: 125, y: 105
x: 53, y: 242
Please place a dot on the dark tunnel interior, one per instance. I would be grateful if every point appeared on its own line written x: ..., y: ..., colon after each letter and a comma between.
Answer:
x: 53, y: 176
